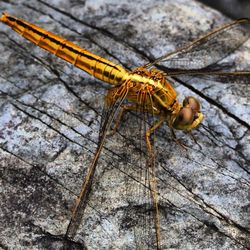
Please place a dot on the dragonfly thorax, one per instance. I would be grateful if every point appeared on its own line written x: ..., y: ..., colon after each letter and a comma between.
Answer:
x: 151, y: 92
x: 157, y: 90
x: 162, y: 96
x: 184, y: 117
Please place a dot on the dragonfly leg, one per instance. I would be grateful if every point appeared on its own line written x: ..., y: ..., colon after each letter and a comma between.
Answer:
x: 125, y: 108
x: 153, y: 181
x: 195, y: 141
x: 119, y: 117
x: 178, y: 141
x: 151, y: 131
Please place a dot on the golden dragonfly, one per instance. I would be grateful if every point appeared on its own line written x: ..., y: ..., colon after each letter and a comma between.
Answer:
x: 146, y: 89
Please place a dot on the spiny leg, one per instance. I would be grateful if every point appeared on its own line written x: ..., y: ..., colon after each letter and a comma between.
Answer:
x: 151, y: 131
x: 177, y: 140
x: 153, y: 182
x: 125, y: 108
x: 194, y: 139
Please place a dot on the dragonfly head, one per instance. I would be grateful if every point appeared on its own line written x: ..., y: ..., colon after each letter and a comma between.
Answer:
x: 189, y: 115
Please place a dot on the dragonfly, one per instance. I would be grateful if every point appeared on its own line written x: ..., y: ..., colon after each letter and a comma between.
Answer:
x: 146, y: 89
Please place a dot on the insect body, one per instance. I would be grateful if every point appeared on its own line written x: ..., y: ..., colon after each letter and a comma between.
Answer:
x: 159, y: 97
x: 147, y: 89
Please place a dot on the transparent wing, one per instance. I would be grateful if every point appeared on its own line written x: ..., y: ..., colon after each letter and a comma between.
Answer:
x: 208, y: 49
x: 139, y: 208
x: 143, y: 194
x: 108, y: 116
x: 224, y: 75
x: 140, y: 215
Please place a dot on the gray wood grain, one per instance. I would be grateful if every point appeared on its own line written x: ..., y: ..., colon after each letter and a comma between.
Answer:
x: 50, y: 118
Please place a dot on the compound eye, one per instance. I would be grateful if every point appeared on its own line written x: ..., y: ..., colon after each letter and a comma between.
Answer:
x: 192, y: 102
x: 185, y: 116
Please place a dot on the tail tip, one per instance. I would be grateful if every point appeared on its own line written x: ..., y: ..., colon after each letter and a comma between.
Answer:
x: 4, y: 16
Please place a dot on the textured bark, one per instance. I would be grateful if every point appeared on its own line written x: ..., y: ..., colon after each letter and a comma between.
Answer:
x: 49, y: 122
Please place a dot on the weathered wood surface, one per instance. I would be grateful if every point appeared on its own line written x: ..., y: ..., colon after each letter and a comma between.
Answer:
x: 49, y: 121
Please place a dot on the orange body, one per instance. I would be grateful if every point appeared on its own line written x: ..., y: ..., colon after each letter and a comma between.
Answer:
x: 147, y: 89
x: 159, y: 94
x: 81, y: 58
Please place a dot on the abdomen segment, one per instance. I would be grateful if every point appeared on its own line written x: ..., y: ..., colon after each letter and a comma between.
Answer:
x: 97, y: 66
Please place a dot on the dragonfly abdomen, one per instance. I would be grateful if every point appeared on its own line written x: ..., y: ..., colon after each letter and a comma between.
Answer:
x: 94, y: 65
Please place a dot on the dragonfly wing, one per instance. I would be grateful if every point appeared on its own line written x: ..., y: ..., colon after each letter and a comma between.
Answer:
x: 240, y: 77
x: 108, y: 116
x: 140, y: 215
x: 135, y: 166
x: 208, y: 49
